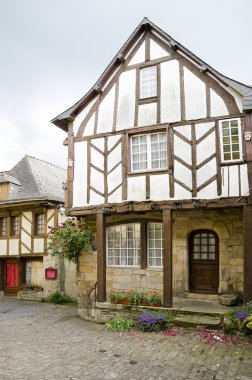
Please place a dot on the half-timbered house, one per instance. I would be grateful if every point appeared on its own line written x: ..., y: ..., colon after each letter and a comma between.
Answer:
x: 159, y: 155
x: 31, y: 194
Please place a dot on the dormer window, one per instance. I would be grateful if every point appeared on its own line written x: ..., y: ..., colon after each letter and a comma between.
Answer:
x: 148, y: 82
x: 231, y: 140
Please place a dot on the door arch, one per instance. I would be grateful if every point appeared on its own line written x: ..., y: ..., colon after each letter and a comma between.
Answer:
x: 203, y: 261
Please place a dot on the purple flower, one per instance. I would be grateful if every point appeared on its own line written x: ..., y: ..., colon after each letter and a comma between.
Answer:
x: 242, y: 314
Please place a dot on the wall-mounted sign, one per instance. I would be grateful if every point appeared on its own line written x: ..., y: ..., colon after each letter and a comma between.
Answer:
x: 51, y: 273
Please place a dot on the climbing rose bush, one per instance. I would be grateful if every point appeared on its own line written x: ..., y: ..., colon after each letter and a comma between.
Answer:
x: 69, y: 239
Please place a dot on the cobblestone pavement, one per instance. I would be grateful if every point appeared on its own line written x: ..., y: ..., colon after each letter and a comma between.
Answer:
x: 43, y: 341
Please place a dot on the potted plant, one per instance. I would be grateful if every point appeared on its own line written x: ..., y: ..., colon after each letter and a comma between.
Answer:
x: 154, y: 299
x: 119, y: 297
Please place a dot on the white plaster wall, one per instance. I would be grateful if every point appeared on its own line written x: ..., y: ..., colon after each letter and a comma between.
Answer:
x: 159, y: 187
x: 105, y: 113
x: 136, y: 188
x: 14, y: 246
x: 89, y: 128
x: 50, y: 219
x: 244, y: 179
x: 184, y: 130
x: 80, y: 174
x: 195, y: 96
x: 38, y: 245
x: 181, y: 193
x: 147, y: 114
x: 209, y: 192
x: 114, y: 157
x: 182, y: 174
x: 234, y: 181
x: 218, y: 107
x: 156, y: 51
x: 97, y: 180
x: 182, y: 150
x: 115, y: 178
x: 201, y: 129
x: 26, y: 239
x: 116, y: 197
x: 78, y: 120
x: 206, y: 148
x: 139, y: 56
x: 206, y: 172
x: 126, y: 100
x: 3, y: 247
x: 170, y: 92
x: 95, y: 199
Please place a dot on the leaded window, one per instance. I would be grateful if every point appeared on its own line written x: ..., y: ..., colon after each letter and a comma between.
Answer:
x: 39, y: 224
x: 123, y: 245
x: 149, y: 152
x: 204, y: 246
x: 15, y: 225
x: 148, y: 82
x: 3, y: 227
x: 231, y: 140
x: 155, y: 244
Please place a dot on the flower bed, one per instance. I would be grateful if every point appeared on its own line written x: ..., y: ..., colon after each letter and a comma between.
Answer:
x: 239, y: 320
x: 136, y: 298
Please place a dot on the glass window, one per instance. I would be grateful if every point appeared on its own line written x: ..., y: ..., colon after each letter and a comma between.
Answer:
x: 148, y: 82
x: 3, y: 227
x: 15, y: 226
x: 123, y: 245
x: 231, y: 140
x: 39, y: 224
x: 204, y: 246
x: 155, y: 244
x: 149, y: 152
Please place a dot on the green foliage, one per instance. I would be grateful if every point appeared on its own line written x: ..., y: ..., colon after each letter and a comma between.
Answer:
x: 118, y: 296
x: 136, y: 298
x: 230, y: 322
x: 247, y: 324
x: 154, y: 299
x: 120, y: 324
x: 31, y: 287
x: 58, y: 298
x: 69, y: 239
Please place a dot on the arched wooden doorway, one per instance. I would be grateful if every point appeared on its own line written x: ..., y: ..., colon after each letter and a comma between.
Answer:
x: 203, y: 261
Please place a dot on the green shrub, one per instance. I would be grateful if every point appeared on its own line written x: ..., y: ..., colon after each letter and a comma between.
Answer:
x: 136, y: 298
x: 120, y: 324
x: 58, y: 298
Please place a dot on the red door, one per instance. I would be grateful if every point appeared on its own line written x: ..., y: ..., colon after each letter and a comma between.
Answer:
x: 204, y: 261
x: 11, y: 277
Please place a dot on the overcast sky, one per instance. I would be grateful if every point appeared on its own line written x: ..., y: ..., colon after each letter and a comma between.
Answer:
x: 53, y: 51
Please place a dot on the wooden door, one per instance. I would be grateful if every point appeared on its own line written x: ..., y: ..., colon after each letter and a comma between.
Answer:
x: 11, y: 278
x: 203, y: 262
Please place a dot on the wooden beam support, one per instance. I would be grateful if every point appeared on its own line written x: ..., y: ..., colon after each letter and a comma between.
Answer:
x: 167, y: 260
x: 101, y: 257
x: 247, y: 270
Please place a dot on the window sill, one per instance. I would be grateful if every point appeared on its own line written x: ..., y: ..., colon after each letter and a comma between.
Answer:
x: 151, y: 171
x: 124, y: 266
x: 153, y: 99
x: 228, y: 163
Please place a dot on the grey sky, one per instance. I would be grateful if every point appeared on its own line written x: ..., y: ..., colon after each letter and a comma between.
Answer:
x: 52, y: 52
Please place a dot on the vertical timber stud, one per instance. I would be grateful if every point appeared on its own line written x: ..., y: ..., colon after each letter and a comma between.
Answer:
x: 101, y: 257
x: 167, y: 260
x: 70, y: 167
x: 247, y: 253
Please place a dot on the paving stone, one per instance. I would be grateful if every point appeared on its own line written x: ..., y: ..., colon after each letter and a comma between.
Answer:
x: 46, y: 342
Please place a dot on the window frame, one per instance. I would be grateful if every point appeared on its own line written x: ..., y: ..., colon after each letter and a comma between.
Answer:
x: 148, y: 143
x: 141, y: 81
x: 2, y: 218
x: 148, y: 247
x: 144, y: 243
x: 240, y: 143
x: 36, y: 225
x: 12, y: 226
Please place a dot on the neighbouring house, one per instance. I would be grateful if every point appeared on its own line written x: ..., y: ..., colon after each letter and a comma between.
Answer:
x: 31, y: 200
x: 160, y: 164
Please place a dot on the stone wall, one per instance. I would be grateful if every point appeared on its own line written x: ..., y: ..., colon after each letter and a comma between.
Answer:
x: 227, y: 223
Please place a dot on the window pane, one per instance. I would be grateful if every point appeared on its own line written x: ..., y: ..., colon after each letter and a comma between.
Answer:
x: 126, y: 239
x: 230, y: 147
x: 155, y: 244
x: 148, y: 79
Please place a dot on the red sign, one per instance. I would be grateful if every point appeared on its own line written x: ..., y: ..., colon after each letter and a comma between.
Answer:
x: 51, y: 273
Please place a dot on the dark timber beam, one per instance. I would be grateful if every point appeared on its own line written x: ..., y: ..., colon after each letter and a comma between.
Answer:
x: 247, y: 253
x: 101, y: 257
x: 167, y: 260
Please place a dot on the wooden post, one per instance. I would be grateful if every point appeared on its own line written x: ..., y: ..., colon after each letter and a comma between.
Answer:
x: 101, y: 257
x: 167, y: 260
x: 247, y: 269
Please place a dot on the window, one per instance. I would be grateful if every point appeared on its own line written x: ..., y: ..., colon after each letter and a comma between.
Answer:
x: 148, y: 82
x: 203, y: 246
x: 15, y: 226
x: 39, y: 224
x: 3, y: 227
x: 123, y: 245
x: 149, y: 152
x: 231, y: 140
x: 155, y: 244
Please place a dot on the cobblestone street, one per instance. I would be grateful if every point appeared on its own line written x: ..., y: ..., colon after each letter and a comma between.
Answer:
x: 44, y: 341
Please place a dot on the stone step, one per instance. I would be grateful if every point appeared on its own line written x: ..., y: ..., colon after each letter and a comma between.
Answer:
x: 188, y: 320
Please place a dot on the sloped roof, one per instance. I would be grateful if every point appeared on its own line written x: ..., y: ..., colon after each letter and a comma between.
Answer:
x: 32, y: 178
x: 61, y: 120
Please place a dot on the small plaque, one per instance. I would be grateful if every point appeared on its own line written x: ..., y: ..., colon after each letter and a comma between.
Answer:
x: 51, y: 273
